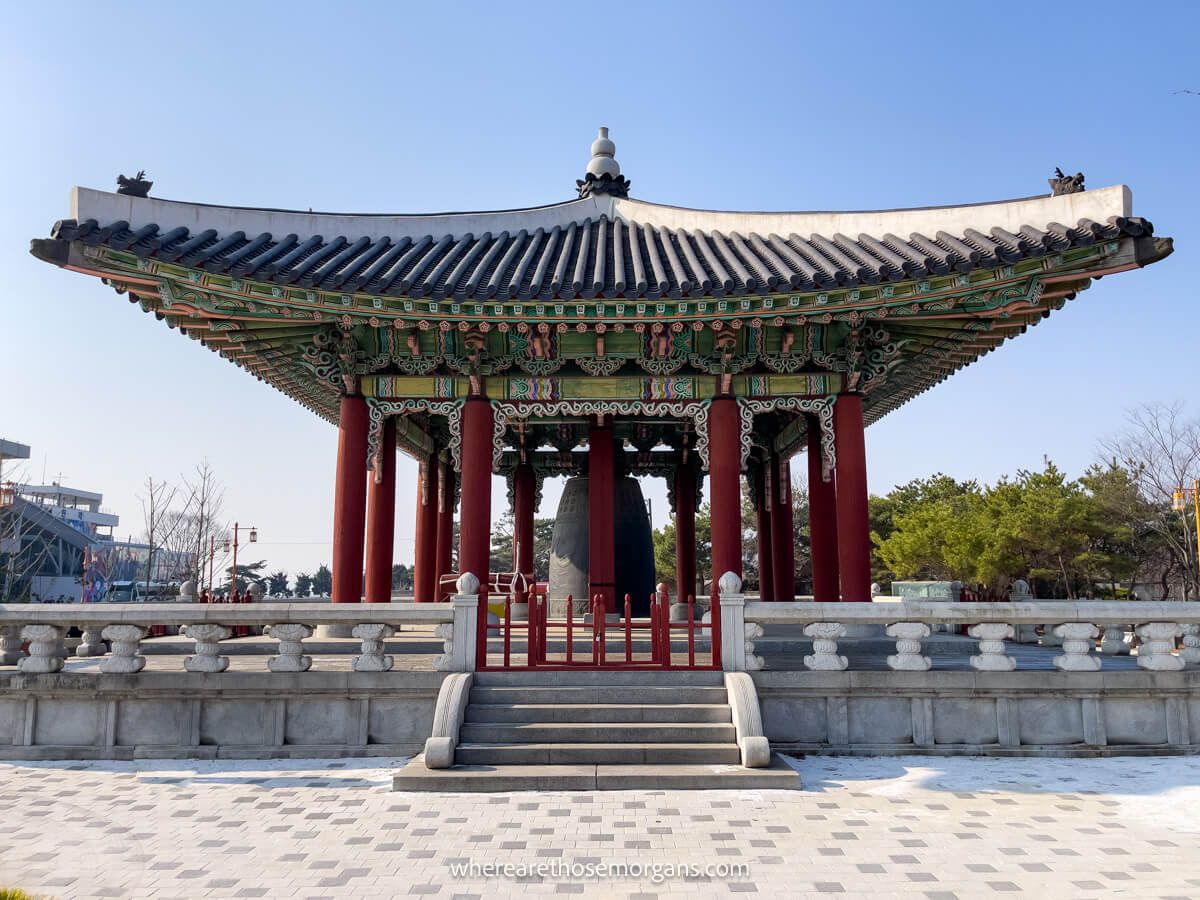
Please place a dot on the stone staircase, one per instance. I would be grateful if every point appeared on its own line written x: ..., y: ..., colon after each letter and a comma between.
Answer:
x: 596, y: 730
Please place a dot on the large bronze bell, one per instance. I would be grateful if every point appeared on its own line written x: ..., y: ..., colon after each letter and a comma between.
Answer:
x: 633, y: 550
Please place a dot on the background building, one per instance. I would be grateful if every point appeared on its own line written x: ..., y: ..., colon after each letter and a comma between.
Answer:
x: 57, y: 544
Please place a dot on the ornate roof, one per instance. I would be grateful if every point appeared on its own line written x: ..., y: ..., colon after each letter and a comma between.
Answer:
x: 602, y: 296
x: 601, y: 246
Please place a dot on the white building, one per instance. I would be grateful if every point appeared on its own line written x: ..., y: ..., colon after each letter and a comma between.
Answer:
x: 78, y: 508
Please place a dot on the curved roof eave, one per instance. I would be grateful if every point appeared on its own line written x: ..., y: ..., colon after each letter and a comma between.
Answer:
x: 1096, y: 204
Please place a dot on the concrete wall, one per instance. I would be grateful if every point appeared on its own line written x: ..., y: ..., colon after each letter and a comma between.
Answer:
x: 237, y: 715
x: 993, y: 713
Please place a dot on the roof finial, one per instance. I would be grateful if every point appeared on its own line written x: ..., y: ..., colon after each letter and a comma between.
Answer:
x: 1065, y: 184
x: 137, y: 186
x: 603, y: 173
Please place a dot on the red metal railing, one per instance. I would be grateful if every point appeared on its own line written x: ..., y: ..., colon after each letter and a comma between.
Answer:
x: 649, y: 642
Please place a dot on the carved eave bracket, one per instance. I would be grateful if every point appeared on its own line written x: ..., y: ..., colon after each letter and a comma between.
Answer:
x: 505, y: 415
x: 539, y: 480
x: 821, y: 408
x: 334, y: 359
x: 408, y: 435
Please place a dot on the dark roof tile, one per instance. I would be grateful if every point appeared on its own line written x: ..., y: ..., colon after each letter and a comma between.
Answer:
x: 594, y: 257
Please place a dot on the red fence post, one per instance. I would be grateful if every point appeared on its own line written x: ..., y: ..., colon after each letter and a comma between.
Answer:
x: 599, y: 609
x: 535, y: 621
x: 691, y: 630
x: 507, y: 630
x: 654, y: 628
x: 664, y: 621
x: 628, y: 632
x: 481, y: 630
x: 570, y: 628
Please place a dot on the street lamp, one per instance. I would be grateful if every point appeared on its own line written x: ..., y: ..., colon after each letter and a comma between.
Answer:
x: 1179, y: 504
x: 253, y: 540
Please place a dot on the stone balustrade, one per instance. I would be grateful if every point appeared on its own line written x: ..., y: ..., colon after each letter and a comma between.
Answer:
x: 114, y: 632
x: 1083, y: 630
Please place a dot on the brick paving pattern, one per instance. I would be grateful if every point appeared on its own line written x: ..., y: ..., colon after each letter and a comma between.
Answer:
x: 915, y: 827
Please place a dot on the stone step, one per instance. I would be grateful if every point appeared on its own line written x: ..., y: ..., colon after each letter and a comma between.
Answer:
x: 597, y: 712
x: 600, y: 677
x: 625, y: 695
x: 592, y: 733
x: 474, y: 778
x: 630, y: 753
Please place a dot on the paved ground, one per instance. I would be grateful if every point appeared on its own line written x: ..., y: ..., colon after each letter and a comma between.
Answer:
x: 902, y: 827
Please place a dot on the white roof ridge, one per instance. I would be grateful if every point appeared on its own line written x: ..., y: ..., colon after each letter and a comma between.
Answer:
x: 106, y: 207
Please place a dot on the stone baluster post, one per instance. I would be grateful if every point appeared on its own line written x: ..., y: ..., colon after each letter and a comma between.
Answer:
x: 750, y: 635
x: 208, y: 648
x: 825, y: 645
x: 460, y: 639
x: 10, y: 645
x: 1078, y: 641
x: 92, y: 642
x: 291, y: 656
x: 445, y: 631
x: 126, y: 657
x: 43, y: 649
x: 1158, y: 640
x: 372, y: 657
x: 737, y: 635
x: 1191, y: 644
x: 991, y: 637
x: 1113, y: 642
x: 908, y: 656
x: 733, y: 623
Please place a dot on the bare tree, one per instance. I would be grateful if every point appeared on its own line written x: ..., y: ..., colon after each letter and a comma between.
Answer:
x: 193, y: 521
x: 1160, y: 447
x: 161, y: 521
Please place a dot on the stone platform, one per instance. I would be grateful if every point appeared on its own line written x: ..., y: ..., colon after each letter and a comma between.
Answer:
x: 332, y: 711
x: 257, y: 714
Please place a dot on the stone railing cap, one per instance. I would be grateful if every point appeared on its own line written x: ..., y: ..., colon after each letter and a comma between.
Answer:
x: 1034, y: 612
x: 224, y: 613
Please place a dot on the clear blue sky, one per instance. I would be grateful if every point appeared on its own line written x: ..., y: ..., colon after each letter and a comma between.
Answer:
x: 384, y: 107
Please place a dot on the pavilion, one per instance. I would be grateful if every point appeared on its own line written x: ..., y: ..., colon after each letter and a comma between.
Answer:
x: 669, y: 342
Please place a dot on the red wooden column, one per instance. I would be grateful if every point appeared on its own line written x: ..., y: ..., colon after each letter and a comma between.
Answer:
x: 350, y: 500
x: 445, y: 524
x: 724, y: 484
x: 523, y: 490
x: 822, y: 522
x: 762, y: 482
x: 685, y: 528
x: 601, y: 502
x: 475, y: 514
x: 381, y: 519
x: 783, y: 531
x: 425, y: 553
x: 853, y: 526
